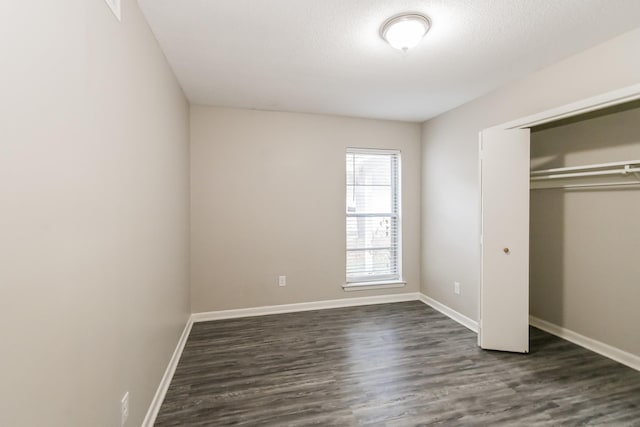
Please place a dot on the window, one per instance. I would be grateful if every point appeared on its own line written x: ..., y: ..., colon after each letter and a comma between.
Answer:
x: 373, y: 216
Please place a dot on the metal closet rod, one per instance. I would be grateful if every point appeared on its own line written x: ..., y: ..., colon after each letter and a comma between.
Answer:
x: 587, y: 170
x: 624, y: 171
x: 599, y: 184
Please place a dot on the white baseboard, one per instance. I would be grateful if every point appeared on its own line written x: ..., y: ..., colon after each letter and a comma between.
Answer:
x: 303, y: 306
x: 606, y: 350
x: 156, y: 403
x: 448, y: 311
x: 620, y: 356
x: 154, y: 408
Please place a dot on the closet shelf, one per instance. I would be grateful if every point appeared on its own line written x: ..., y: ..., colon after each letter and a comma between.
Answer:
x: 597, y: 175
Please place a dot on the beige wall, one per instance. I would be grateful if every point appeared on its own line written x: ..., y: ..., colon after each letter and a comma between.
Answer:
x: 584, y: 243
x: 93, y: 213
x: 268, y: 199
x: 450, y: 249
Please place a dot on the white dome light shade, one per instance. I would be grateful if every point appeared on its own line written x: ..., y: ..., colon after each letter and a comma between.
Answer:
x: 405, y: 31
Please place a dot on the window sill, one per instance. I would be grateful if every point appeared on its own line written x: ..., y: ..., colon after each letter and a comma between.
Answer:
x: 367, y: 286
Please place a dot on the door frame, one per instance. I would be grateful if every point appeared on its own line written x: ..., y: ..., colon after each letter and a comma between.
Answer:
x: 586, y: 105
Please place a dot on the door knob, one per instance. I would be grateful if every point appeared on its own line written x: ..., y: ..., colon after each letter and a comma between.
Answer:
x: 506, y: 250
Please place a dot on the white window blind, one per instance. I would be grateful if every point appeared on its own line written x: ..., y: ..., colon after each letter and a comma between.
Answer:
x: 373, y: 215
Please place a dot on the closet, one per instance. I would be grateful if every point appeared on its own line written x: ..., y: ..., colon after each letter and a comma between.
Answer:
x: 560, y: 225
x: 585, y: 225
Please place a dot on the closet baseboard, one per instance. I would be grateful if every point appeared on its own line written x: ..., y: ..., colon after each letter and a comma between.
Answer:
x: 450, y: 312
x: 613, y: 353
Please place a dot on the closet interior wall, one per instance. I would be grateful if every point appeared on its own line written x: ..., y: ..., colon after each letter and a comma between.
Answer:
x: 585, y: 243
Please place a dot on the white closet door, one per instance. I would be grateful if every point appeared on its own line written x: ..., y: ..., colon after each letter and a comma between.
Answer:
x: 504, y: 284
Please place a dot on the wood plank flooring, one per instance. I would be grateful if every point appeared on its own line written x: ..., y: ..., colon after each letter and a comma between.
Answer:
x: 401, y: 364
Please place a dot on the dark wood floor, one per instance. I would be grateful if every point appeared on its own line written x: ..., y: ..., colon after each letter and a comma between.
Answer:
x: 398, y: 364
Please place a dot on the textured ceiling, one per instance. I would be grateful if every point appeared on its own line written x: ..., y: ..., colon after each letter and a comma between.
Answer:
x: 325, y: 56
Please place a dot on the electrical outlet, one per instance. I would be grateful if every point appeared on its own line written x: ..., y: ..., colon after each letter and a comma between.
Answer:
x: 282, y: 281
x: 124, y: 409
x: 456, y: 288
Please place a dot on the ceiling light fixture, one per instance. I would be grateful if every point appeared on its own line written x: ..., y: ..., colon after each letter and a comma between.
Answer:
x: 405, y: 31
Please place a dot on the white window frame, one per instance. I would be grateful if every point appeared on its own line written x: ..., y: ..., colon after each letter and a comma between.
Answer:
x: 380, y: 281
